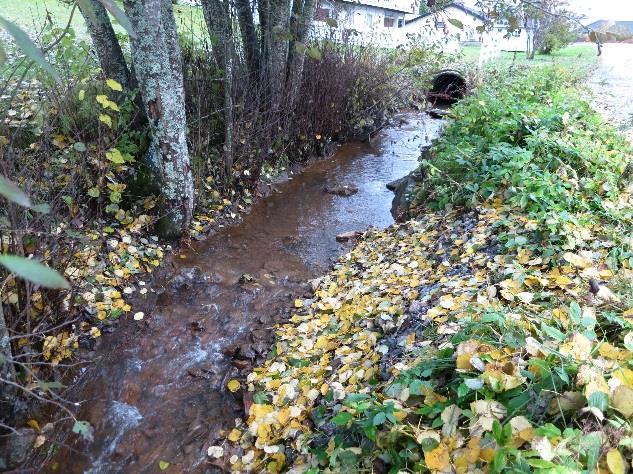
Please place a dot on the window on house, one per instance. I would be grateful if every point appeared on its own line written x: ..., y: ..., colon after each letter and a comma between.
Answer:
x: 440, y: 25
x: 400, y: 22
x: 389, y: 22
x: 322, y: 14
x: 369, y: 19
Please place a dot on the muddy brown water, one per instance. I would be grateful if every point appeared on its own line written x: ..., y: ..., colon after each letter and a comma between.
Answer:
x: 156, y: 390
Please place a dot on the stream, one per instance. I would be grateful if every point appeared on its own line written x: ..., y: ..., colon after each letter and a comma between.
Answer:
x: 156, y: 390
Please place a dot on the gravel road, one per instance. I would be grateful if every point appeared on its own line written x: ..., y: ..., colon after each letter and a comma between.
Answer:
x: 612, y: 83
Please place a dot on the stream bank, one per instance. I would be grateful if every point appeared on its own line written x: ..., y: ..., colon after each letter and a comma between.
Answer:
x: 157, y: 392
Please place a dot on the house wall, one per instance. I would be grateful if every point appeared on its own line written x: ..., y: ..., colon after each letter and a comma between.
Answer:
x: 360, y: 23
x: 436, y: 28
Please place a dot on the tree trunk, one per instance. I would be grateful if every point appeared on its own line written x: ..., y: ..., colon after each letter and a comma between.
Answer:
x: 216, y: 19
x: 275, y: 43
x: 7, y: 372
x: 250, y: 41
x: 106, y: 45
x: 303, y: 12
x: 228, y: 109
x: 158, y: 67
x: 219, y: 20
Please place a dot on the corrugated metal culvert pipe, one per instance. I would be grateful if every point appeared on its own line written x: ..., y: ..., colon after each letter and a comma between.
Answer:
x: 448, y: 87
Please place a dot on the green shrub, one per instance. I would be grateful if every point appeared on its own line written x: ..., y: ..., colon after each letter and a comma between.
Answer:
x: 532, y: 143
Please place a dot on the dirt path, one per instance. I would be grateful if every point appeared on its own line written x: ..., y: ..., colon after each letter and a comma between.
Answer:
x: 612, y: 84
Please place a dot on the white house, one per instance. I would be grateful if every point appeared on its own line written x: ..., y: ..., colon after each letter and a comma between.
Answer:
x: 380, y: 22
x: 458, y: 24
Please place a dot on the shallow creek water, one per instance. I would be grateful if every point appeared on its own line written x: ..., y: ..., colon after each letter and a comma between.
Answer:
x: 156, y: 390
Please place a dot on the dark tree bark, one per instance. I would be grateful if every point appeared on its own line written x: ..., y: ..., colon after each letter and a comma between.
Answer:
x: 250, y: 40
x: 7, y: 372
x: 219, y: 20
x: 106, y: 45
x: 158, y: 67
x: 303, y: 12
x: 275, y: 49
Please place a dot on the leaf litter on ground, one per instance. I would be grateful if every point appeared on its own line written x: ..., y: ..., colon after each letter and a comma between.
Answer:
x: 461, y: 341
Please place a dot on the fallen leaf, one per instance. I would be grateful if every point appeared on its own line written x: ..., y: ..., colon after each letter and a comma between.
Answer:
x: 578, y: 261
x: 622, y: 400
x: 616, y: 462
x: 437, y: 459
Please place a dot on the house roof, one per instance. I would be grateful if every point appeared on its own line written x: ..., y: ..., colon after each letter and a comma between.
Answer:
x: 608, y: 25
x: 377, y: 4
x: 457, y: 5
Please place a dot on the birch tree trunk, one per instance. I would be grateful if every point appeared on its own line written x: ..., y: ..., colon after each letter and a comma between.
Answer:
x: 107, y: 45
x: 158, y: 68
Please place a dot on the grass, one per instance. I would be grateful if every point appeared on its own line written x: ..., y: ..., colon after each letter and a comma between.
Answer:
x: 33, y: 14
x: 574, y: 56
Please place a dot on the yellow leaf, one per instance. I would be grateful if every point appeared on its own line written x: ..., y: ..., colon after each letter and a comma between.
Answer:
x: 103, y: 100
x: 608, y: 351
x: 624, y: 375
x: 437, y: 459
x: 82, y: 94
x: 233, y: 385
x: 488, y: 454
x: 115, y: 156
x: 622, y: 400
x: 463, y: 362
x: 522, y: 431
x: 616, y: 462
x: 577, y: 260
x: 578, y: 346
x: 283, y: 416
x: 114, y: 85
x: 106, y: 119
x: 563, y: 280
x: 298, y: 303
x: 34, y: 424
x: 234, y: 435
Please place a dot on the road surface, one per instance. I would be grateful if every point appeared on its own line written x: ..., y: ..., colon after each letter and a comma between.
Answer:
x: 612, y: 83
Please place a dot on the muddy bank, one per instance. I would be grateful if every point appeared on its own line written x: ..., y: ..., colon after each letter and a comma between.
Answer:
x: 156, y: 391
